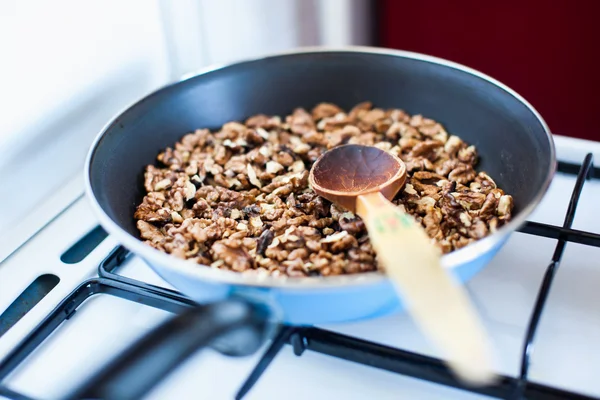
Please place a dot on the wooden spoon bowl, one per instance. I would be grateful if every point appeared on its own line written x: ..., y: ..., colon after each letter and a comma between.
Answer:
x: 346, y: 172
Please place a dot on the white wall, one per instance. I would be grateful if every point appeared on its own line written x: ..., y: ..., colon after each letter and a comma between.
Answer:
x: 66, y: 67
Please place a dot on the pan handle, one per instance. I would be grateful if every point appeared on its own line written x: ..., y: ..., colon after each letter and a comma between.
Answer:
x: 233, y: 327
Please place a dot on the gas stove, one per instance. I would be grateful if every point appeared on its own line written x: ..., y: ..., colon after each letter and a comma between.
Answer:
x: 71, y: 299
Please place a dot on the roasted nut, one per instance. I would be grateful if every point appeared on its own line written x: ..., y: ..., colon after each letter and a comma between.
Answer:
x: 232, y: 254
x: 351, y: 223
x: 273, y: 167
x: 325, y: 110
x: 150, y: 232
x: 263, y: 122
x: 264, y: 241
x: 163, y: 184
x: 505, y: 204
x: 453, y: 144
x: 462, y: 174
x: 425, y: 148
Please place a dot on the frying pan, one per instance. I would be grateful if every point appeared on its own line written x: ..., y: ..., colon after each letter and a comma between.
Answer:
x: 513, y: 141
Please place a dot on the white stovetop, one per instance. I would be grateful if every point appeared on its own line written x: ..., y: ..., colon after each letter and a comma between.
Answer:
x: 567, y: 354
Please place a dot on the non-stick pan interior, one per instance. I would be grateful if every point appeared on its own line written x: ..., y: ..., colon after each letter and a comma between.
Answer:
x: 514, y: 147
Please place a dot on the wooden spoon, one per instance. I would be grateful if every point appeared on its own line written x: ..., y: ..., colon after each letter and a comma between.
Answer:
x: 363, y: 179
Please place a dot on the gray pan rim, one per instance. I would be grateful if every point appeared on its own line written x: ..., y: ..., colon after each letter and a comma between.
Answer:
x: 159, y: 260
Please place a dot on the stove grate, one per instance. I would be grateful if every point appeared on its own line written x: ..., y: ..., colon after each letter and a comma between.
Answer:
x: 326, y: 342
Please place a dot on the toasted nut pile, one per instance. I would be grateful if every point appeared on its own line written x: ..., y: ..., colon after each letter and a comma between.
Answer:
x: 238, y: 198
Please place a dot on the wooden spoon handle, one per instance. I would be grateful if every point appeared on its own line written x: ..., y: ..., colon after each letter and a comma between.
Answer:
x: 438, y: 305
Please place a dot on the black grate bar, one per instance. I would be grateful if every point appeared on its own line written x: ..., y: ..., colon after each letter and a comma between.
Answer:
x: 556, y: 232
x: 114, y: 260
x: 573, y: 169
x: 69, y: 306
x: 584, y: 173
x: 280, y: 339
x: 415, y: 365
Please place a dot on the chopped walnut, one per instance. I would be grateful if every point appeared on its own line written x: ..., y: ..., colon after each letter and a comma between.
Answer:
x: 238, y: 198
x: 150, y: 232
x: 234, y: 255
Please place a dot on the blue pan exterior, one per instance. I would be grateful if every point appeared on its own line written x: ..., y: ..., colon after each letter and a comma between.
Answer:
x: 316, y: 306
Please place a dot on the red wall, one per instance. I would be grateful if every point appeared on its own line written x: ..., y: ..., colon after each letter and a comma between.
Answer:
x: 548, y: 51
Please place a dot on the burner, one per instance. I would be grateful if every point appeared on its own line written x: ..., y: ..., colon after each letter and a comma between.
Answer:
x: 411, y: 364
